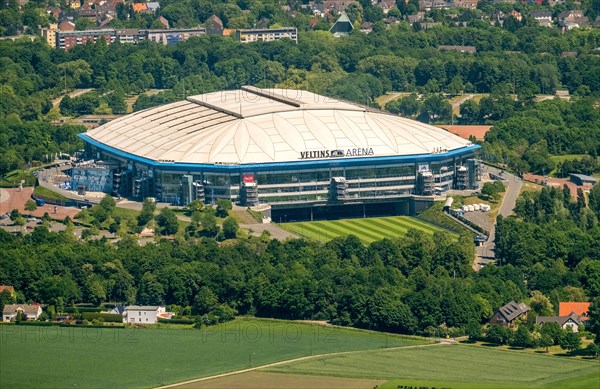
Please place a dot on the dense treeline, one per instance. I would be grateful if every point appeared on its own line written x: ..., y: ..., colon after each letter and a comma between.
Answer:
x: 554, y: 127
x: 410, y: 285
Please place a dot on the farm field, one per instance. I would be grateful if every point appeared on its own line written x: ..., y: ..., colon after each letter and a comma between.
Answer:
x: 126, y: 358
x: 264, y: 380
x: 367, y: 230
x: 455, y: 366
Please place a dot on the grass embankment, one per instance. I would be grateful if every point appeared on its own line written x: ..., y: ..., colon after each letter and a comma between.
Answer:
x: 13, y: 179
x: 126, y: 358
x: 454, y: 366
x: 45, y: 192
x: 435, y: 215
x: 367, y: 230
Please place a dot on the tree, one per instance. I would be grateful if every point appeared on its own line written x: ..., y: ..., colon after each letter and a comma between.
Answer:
x: 167, y: 222
x: 209, y: 222
x: 195, y: 206
x: 498, y: 334
x: 408, y: 106
x: 230, y: 227
x: 150, y: 291
x: 204, y: 301
x: 553, y: 330
x: 546, y: 341
x: 521, y: 337
x: 30, y: 205
x: 223, y: 207
x: 570, y: 341
x: 437, y: 109
x: 594, y: 318
x: 5, y: 298
x: 147, y: 213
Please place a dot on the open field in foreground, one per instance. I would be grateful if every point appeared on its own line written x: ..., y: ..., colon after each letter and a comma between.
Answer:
x: 454, y: 366
x: 60, y: 357
x: 264, y: 380
x: 367, y: 230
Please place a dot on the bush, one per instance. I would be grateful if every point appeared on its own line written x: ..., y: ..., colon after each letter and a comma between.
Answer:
x: 176, y: 321
x: 81, y: 309
x: 105, y: 317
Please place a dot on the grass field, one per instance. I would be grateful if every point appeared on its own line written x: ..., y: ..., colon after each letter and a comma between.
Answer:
x: 58, y: 357
x: 367, y: 230
x: 40, y: 190
x: 455, y: 366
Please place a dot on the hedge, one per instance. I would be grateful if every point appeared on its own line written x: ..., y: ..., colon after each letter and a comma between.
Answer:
x: 176, y: 321
x: 106, y: 317
x: 81, y: 309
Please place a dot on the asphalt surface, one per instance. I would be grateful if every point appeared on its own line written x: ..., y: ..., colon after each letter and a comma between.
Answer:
x: 485, y: 252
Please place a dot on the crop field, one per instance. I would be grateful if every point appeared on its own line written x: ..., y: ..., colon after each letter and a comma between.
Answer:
x: 61, y: 357
x: 367, y: 230
x: 454, y: 366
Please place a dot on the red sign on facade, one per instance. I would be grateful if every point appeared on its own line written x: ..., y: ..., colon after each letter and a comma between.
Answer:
x: 248, y: 177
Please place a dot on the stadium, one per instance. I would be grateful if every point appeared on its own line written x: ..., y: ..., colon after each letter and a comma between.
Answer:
x: 296, y: 153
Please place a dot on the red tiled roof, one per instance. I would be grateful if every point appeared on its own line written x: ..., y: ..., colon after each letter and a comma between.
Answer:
x: 580, y: 309
x: 10, y: 289
x: 139, y: 7
x: 466, y: 131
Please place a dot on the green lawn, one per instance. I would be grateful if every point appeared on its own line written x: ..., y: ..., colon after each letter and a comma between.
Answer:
x: 455, y: 366
x: 58, y: 357
x: 367, y: 230
x: 40, y: 190
x: 12, y: 179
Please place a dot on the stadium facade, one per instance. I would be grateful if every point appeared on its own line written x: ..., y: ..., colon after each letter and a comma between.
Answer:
x: 303, y: 154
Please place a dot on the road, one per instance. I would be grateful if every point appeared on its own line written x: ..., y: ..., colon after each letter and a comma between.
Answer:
x: 288, y: 361
x: 75, y: 93
x: 485, y: 252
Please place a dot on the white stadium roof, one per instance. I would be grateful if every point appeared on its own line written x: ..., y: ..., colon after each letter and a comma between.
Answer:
x: 252, y: 125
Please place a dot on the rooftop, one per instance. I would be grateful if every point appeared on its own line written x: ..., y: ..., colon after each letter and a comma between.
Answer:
x: 252, y: 125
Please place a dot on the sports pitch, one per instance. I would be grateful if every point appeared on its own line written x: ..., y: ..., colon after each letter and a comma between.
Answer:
x: 367, y: 230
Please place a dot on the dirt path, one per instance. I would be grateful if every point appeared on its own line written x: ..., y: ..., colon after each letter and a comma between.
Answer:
x: 288, y: 361
x: 75, y: 93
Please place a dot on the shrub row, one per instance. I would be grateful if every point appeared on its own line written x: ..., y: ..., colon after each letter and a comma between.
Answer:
x: 177, y: 321
x: 106, y: 317
x: 82, y: 309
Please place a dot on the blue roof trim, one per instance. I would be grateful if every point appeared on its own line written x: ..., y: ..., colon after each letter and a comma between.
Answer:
x: 301, y: 164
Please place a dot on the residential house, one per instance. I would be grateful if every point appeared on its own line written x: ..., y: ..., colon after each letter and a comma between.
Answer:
x: 428, y: 5
x: 214, y: 25
x: 386, y: 5
x: 569, y: 20
x: 516, y: 14
x: 571, y: 321
x: 145, y: 314
x: 153, y: 6
x: 66, y: 25
x: 9, y: 289
x: 28, y: 312
x: 366, y: 27
x: 462, y: 49
x: 542, y: 16
x: 498, y: 17
x: 139, y: 7
x: 336, y: 6
x: 508, y: 313
x: 267, y: 34
x: 579, y: 308
x: 470, y: 4
x: 419, y: 16
x: 342, y: 26
x: 164, y: 22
